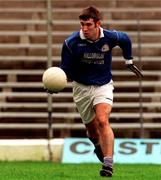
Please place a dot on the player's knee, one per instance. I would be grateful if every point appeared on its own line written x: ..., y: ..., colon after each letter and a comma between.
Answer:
x: 103, y: 122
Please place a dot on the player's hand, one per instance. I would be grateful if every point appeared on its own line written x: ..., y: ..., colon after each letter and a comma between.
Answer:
x: 50, y: 92
x: 134, y: 69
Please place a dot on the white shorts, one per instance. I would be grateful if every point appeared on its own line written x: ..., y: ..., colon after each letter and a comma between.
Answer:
x: 86, y: 97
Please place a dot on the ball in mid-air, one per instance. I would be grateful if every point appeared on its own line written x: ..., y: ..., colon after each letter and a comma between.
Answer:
x: 54, y: 79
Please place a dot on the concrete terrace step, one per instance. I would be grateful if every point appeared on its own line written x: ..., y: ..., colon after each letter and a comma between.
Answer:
x: 56, y: 105
x: 119, y: 84
x: 70, y: 95
x: 40, y: 49
x: 59, y: 36
x: 73, y: 13
x: 40, y: 72
x: 77, y: 9
x: 18, y: 58
x: 76, y: 125
x: 67, y: 33
x: 102, y: 9
x: 73, y: 25
x: 59, y: 45
x: 71, y: 115
x: 22, y: 4
x: 107, y: 3
x: 76, y: 22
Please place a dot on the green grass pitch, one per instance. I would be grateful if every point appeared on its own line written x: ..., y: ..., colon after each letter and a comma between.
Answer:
x: 56, y: 171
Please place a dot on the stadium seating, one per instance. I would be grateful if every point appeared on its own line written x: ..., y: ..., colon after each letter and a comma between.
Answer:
x: 23, y: 59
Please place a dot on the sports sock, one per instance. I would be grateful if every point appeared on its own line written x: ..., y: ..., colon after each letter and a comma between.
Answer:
x: 94, y: 141
x: 108, y: 161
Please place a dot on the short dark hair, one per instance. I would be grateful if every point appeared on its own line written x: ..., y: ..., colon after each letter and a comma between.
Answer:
x: 90, y: 12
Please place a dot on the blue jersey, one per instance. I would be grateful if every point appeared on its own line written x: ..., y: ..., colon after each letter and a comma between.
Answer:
x: 89, y: 62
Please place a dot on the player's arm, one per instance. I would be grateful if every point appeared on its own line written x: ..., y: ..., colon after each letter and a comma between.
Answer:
x: 66, y: 63
x: 125, y: 44
x: 67, y: 60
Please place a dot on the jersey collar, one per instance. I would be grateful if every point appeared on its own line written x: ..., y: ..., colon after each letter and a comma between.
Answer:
x: 83, y: 37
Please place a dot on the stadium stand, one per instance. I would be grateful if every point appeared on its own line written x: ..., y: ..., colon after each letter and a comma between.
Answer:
x: 23, y: 59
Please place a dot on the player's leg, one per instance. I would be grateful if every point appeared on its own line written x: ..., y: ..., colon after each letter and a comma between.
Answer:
x: 103, y: 111
x: 83, y: 97
x: 106, y: 136
x: 93, y: 135
x: 103, y: 101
